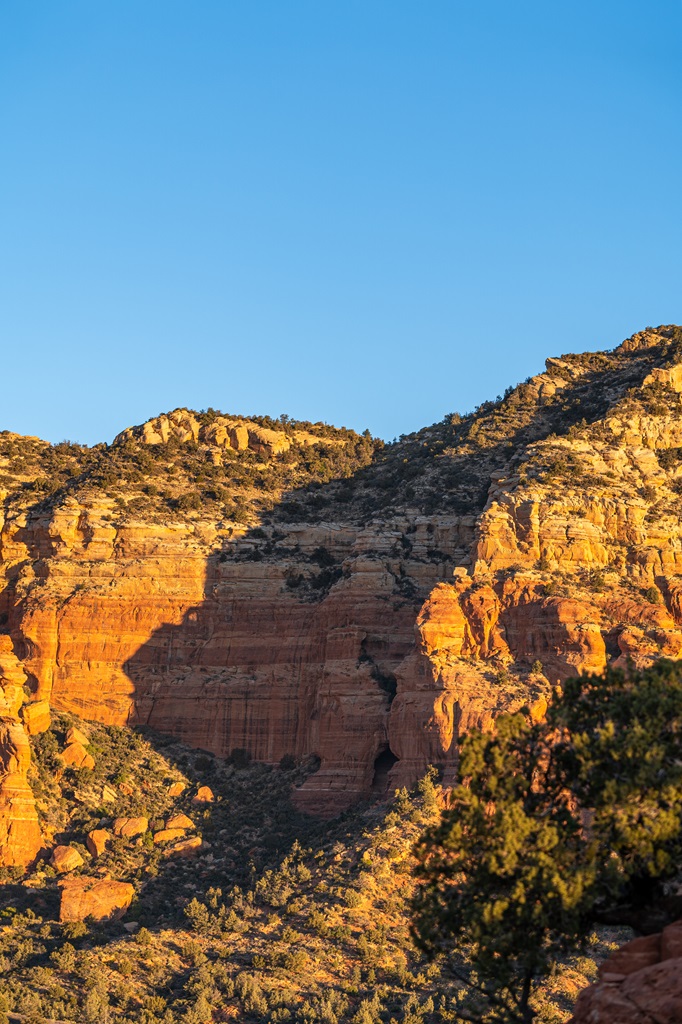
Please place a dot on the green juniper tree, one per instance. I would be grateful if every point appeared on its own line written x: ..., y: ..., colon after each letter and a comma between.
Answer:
x: 552, y: 827
x: 620, y: 755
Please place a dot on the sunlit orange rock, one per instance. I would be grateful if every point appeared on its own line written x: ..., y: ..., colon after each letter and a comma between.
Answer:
x: 36, y: 717
x: 204, y: 795
x: 76, y: 756
x: 75, y: 735
x: 96, y: 841
x: 128, y: 828
x: 20, y: 837
x: 66, y: 858
x: 167, y: 835
x: 179, y: 821
x: 98, y: 898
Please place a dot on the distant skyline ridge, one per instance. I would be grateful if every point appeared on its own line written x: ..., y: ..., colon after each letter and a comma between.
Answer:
x: 372, y: 214
x: 183, y: 423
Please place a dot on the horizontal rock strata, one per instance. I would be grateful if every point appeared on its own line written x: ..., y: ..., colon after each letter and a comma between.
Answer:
x: 368, y: 643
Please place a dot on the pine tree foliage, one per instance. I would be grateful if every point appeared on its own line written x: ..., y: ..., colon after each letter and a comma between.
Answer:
x: 554, y: 826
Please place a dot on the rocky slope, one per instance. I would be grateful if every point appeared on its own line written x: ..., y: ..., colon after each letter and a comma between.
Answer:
x: 290, y: 590
x: 269, y: 916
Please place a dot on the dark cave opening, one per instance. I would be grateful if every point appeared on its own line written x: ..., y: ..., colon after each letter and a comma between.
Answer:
x: 382, y: 766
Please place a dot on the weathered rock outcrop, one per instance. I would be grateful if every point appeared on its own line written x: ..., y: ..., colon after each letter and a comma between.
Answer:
x: 130, y: 827
x: 186, y: 848
x: 66, y: 858
x: 97, y: 841
x: 20, y: 838
x: 222, y: 432
x: 154, y: 626
x: 167, y: 835
x: 639, y: 984
x: 97, y: 898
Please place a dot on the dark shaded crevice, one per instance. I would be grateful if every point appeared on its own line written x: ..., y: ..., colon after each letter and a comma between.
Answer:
x: 383, y: 763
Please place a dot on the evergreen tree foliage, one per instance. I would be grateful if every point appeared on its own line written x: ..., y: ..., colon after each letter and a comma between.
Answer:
x: 553, y: 826
x: 620, y: 755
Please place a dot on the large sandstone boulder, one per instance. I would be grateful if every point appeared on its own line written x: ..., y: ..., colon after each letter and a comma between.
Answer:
x: 633, y: 956
x: 76, y: 756
x: 204, y: 795
x: 186, y: 848
x: 75, y: 735
x: 98, y: 898
x: 671, y: 941
x: 179, y: 821
x: 167, y: 835
x: 130, y: 827
x: 97, y: 840
x: 66, y: 858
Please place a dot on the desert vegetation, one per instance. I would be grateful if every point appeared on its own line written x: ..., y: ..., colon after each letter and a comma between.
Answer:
x: 276, y: 917
x: 492, y: 903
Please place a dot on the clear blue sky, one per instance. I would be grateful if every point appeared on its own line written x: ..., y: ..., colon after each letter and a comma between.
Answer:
x: 371, y: 212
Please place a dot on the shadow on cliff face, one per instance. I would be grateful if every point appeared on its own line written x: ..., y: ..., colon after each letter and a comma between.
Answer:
x: 247, y: 829
x: 291, y: 655
x: 295, y: 648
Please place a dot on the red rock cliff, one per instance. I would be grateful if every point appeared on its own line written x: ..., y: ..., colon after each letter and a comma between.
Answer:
x: 352, y: 642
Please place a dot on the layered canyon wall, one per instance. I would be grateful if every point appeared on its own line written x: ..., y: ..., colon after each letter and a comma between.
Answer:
x: 368, y: 642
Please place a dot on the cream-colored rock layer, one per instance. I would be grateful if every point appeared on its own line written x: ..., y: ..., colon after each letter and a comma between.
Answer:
x: 224, y: 432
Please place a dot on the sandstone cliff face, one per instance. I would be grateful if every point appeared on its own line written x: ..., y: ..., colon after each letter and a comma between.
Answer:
x: 20, y: 838
x: 349, y: 638
x: 183, y: 630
